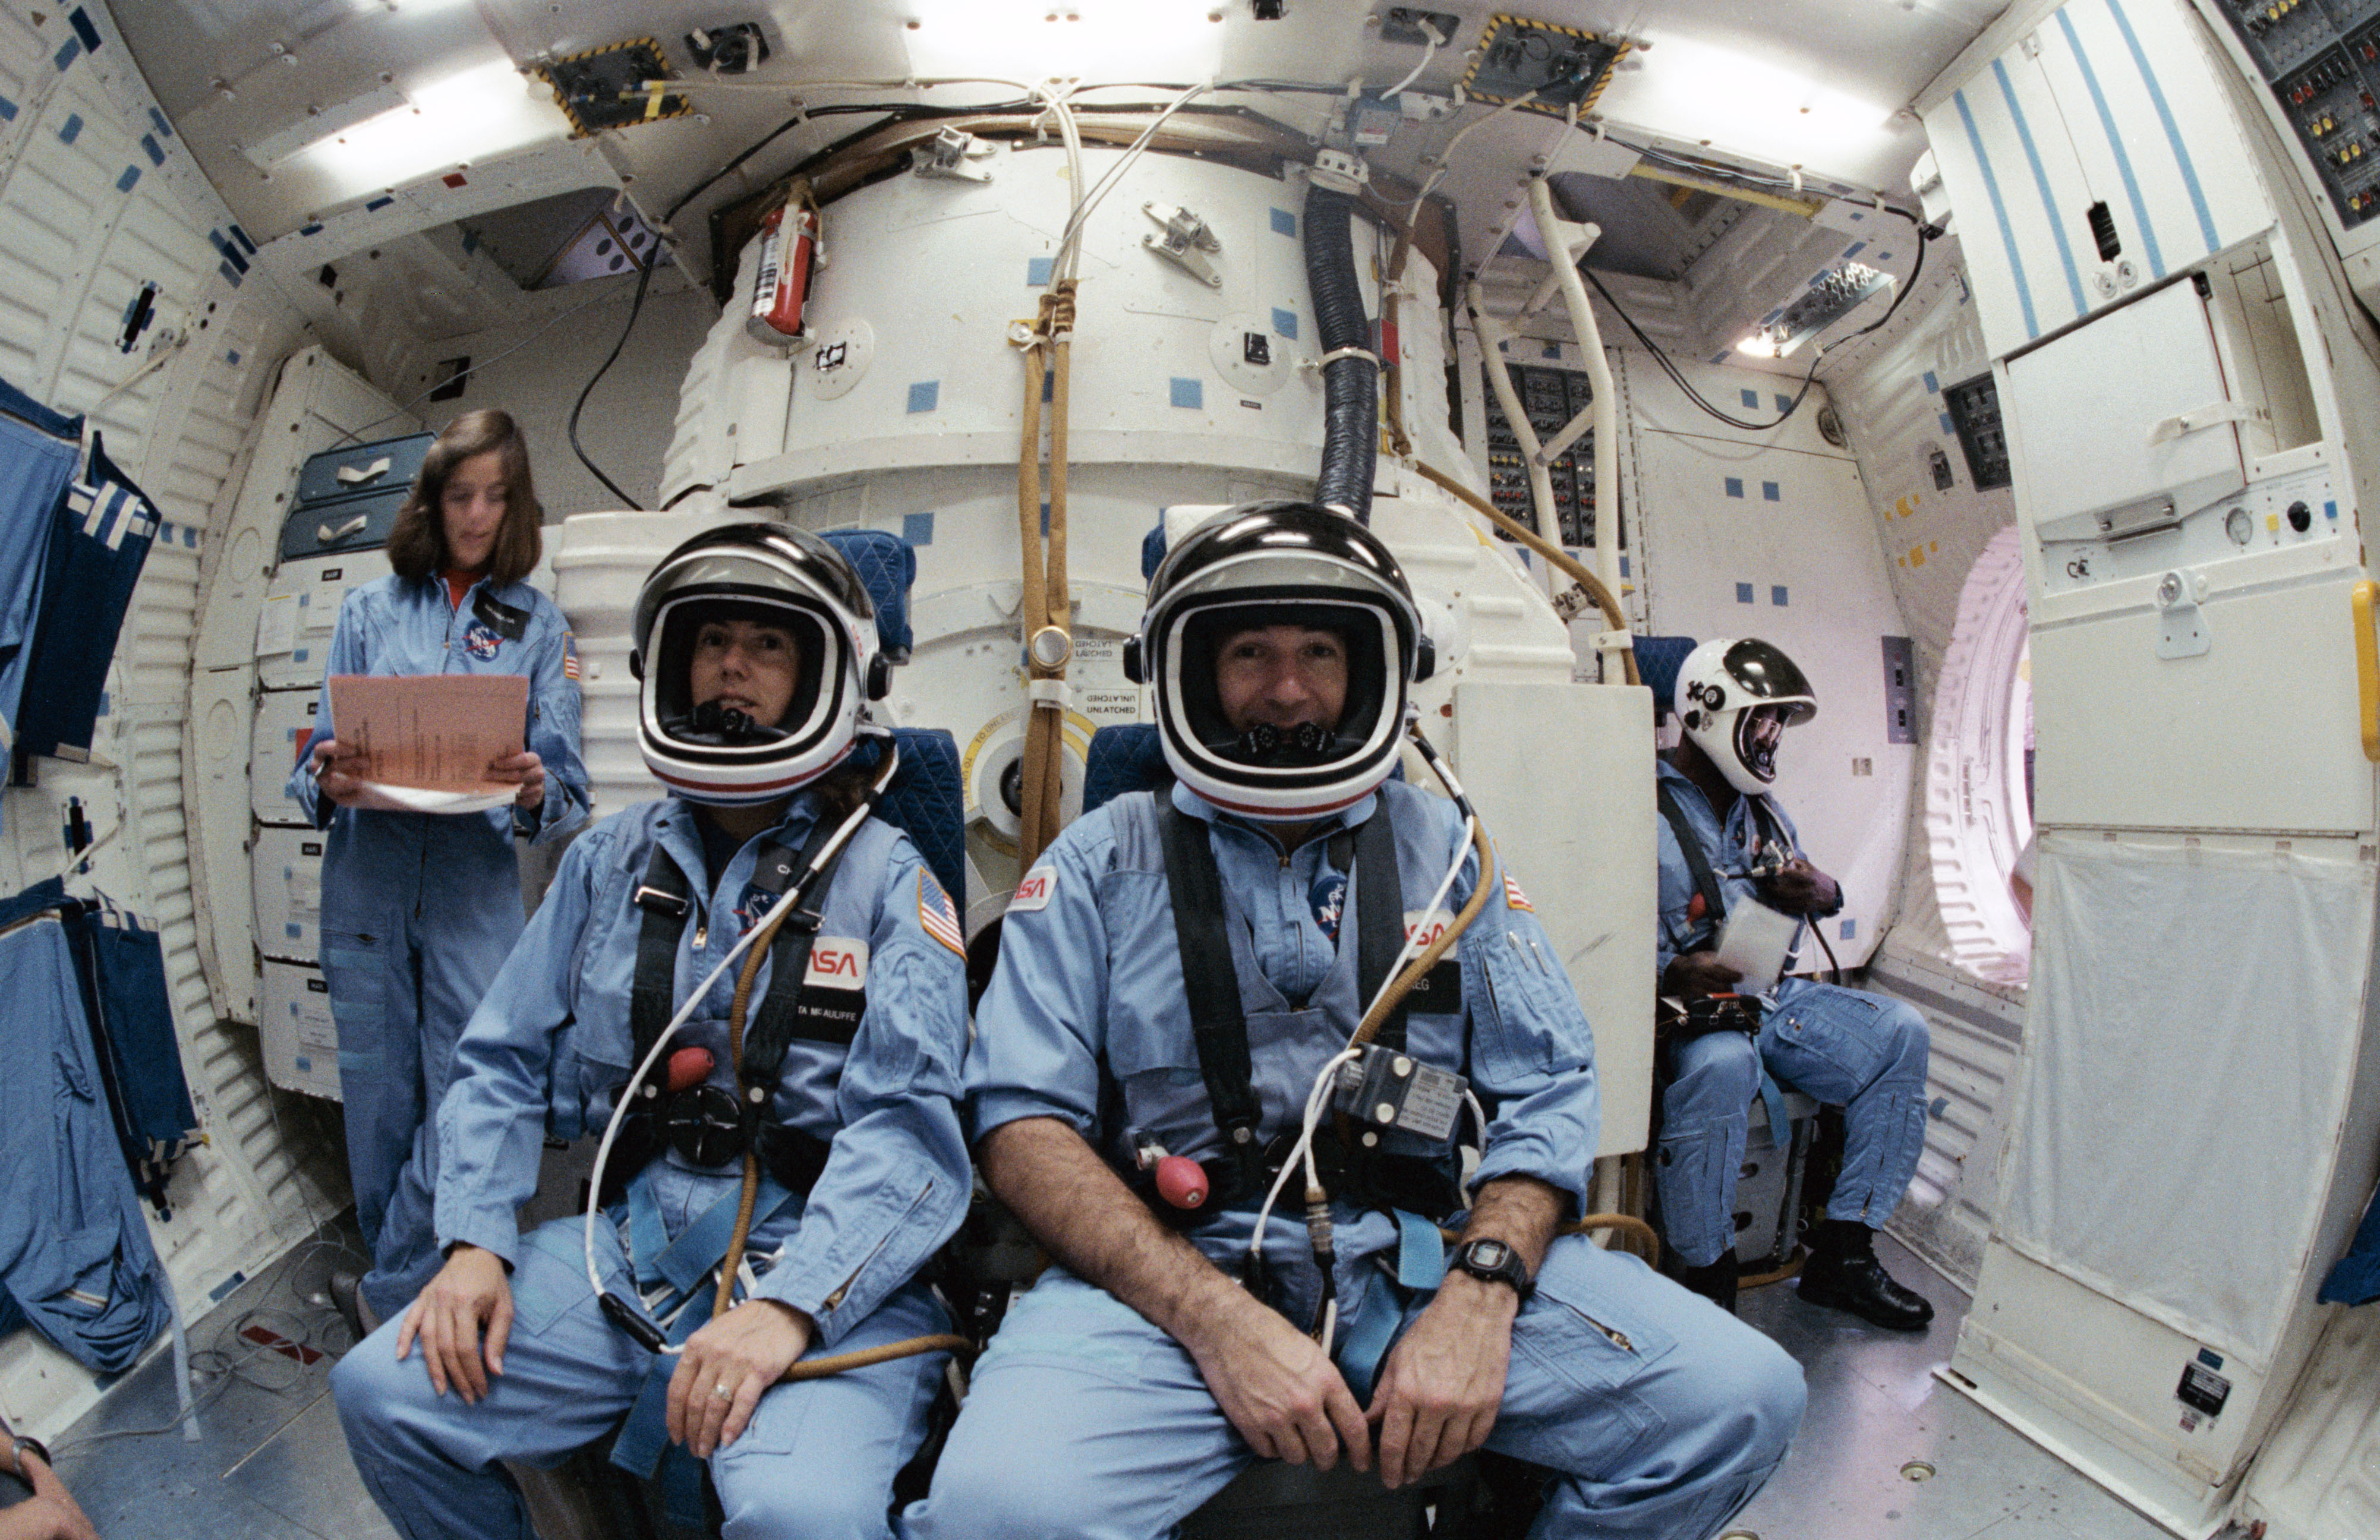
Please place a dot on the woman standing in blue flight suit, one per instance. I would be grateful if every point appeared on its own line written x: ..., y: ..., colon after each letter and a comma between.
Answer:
x: 757, y: 651
x: 419, y: 909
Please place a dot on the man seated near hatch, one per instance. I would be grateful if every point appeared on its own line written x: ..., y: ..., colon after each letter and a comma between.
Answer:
x: 820, y: 1139
x: 1725, y: 844
x: 1180, y: 984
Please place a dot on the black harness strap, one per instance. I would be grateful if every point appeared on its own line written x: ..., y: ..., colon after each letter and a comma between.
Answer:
x: 1217, y: 1024
x: 1698, y: 861
x: 780, y: 1019
x: 665, y: 897
x: 1379, y: 917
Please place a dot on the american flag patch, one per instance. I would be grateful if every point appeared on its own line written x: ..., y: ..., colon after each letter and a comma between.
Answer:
x: 1515, y: 899
x: 938, y: 913
x: 569, y: 657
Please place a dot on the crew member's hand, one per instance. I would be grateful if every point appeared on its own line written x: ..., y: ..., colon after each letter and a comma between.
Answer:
x: 1279, y: 1388
x: 726, y: 1367
x: 527, y: 769
x: 1444, y: 1381
x: 1692, y: 975
x: 1799, y: 888
x: 50, y: 1511
x: 470, y: 1291
x: 339, y: 772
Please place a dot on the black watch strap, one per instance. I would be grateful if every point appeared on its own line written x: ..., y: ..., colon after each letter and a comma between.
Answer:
x: 1495, y: 1262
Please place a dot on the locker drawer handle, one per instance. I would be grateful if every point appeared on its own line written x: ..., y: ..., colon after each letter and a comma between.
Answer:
x: 356, y: 476
x: 326, y: 535
x: 2367, y: 667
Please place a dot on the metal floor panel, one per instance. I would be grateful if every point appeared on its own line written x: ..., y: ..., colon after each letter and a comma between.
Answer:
x: 271, y: 1463
x: 1878, y: 1420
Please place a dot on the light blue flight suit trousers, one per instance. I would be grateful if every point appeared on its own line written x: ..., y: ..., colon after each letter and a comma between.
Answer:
x: 1086, y: 1422
x: 815, y: 1463
x: 1862, y: 1052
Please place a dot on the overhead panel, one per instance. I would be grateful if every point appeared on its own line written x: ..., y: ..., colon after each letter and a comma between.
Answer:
x: 2096, y: 157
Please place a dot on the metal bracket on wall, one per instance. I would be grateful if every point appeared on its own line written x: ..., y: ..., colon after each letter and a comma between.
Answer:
x: 2181, y: 631
x: 1187, y: 242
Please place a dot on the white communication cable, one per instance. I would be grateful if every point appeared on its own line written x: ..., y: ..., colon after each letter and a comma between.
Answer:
x: 1319, y: 1096
x: 1429, y: 52
x: 1073, y: 232
x: 777, y: 914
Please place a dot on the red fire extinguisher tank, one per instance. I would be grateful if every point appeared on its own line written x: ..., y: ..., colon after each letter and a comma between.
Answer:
x: 788, y: 248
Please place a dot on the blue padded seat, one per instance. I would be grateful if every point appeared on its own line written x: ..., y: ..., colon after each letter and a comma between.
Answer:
x: 926, y: 802
x: 887, y: 564
x: 1126, y: 756
x: 1658, y: 660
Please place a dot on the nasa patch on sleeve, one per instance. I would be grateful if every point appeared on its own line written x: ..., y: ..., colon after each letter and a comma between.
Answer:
x: 834, y: 990
x: 1034, y: 892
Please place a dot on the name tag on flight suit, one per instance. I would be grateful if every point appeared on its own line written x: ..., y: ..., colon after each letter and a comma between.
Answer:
x: 835, y: 991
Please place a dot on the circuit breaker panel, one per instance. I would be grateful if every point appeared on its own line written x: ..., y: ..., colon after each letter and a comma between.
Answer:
x: 1552, y: 397
x: 2321, y: 61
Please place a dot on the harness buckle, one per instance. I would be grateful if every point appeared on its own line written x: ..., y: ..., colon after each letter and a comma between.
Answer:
x: 661, y: 901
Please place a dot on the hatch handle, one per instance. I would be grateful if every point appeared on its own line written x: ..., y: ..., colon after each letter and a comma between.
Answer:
x: 2367, y: 666
x: 325, y: 534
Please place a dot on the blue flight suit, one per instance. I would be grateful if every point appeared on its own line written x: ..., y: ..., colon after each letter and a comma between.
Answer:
x: 1661, y: 1413
x: 1862, y: 1052
x: 548, y: 1053
x: 419, y: 909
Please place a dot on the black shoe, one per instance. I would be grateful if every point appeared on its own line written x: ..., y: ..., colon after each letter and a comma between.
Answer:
x: 1859, y: 1285
x: 1714, y: 1281
x: 347, y: 1293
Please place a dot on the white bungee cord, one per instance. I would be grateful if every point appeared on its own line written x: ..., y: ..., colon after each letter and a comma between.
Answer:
x: 767, y: 928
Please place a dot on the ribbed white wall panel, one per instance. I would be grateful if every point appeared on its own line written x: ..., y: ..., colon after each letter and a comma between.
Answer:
x: 88, y: 213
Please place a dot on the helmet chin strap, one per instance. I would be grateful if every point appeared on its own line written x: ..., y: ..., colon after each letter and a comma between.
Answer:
x: 722, y: 726
x: 1308, y: 743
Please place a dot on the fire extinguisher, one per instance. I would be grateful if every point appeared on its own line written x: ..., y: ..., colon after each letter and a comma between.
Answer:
x: 788, y: 250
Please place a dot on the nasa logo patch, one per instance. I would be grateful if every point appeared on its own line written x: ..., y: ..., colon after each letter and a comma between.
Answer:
x: 1039, y: 886
x: 482, y: 641
x: 834, y: 990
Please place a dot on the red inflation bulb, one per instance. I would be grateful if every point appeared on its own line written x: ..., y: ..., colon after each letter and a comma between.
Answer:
x: 690, y: 1067
x: 1181, y: 1182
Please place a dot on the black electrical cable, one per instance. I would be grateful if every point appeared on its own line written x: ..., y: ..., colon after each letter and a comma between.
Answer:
x: 645, y: 272
x: 1926, y: 233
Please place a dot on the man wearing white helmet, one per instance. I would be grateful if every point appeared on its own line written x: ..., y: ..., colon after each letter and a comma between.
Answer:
x: 758, y: 652
x: 1178, y: 979
x: 1725, y: 844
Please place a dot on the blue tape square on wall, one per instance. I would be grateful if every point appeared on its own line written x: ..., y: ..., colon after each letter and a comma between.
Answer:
x: 1735, y: 486
x: 1933, y: 387
x: 7, y: 110
x: 1743, y: 593
x: 1851, y: 928
x: 918, y: 529
x: 1752, y: 399
x: 925, y: 396
x: 156, y: 152
x: 1777, y: 595
x: 67, y: 56
x: 377, y: 204
x: 72, y: 130
x: 1036, y: 270
x: 165, y: 128
x: 1551, y: 350
x: 231, y: 273
x: 1949, y: 429
x: 1188, y: 392
x: 1285, y: 322
x: 1771, y: 492
x: 125, y: 182
x: 1784, y: 404
x: 1623, y: 566
x: 1284, y: 224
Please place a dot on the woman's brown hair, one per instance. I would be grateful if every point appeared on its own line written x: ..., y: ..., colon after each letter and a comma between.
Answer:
x: 417, y: 544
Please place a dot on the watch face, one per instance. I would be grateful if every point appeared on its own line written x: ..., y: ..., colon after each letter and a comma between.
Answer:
x: 1488, y: 1253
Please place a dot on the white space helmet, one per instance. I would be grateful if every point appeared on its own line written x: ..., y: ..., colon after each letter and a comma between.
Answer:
x: 1279, y: 563
x: 1721, y: 685
x: 777, y: 576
